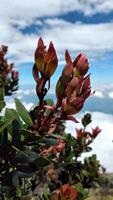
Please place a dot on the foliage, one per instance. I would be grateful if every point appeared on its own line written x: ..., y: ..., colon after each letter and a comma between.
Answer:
x: 103, y: 189
x: 36, y: 155
x: 8, y: 77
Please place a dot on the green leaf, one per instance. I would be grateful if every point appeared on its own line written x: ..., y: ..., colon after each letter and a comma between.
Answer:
x: 8, y: 118
x: 18, y: 192
x: 46, y: 194
x: 23, y: 112
x: 1, y: 94
x: 60, y: 89
x: 8, y: 115
x: 82, y: 192
x: 48, y: 141
x: 2, y: 103
x: 41, y: 162
x: 15, y: 179
x: 29, y: 135
x: 26, y: 156
x: 16, y: 115
x: 50, y: 102
x: 16, y: 125
x: 85, y: 173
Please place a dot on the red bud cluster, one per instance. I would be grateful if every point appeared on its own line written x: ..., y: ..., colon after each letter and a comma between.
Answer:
x: 88, y: 136
x: 81, y: 64
x: 46, y: 60
x: 73, y: 88
x: 45, y: 65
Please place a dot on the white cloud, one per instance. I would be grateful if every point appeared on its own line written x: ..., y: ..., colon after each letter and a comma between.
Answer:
x: 86, y: 38
x: 103, y: 145
x: 19, y: 97
x: 99, y: 94
x: 26, y: 92
x: 110, y: 94
x: 76, y: 37
x: 27, y: 10
x: 79, y: 37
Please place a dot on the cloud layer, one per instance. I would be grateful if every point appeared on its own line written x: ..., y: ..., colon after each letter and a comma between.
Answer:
x: 74, y: 36
x: 49, y: 8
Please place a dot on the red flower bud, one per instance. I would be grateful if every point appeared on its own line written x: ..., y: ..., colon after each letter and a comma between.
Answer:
x: 39, y: 55
x: 73, y: 107
x: 95, y: 132
x: 46, y: 61
x: 14, y: 74
x: 81, y: 63
x: 51, y: 61
x: 67, y: 74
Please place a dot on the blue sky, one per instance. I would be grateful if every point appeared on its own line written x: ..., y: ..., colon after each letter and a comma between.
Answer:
x: 81, y: 26
x: 84, y: 26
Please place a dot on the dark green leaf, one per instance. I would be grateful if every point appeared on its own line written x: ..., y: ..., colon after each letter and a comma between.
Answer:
x: 41, y: 162
x: 23, y: 112
x: 1, y: 94
x: 2, y: 104
x: 48, y: 141
x: 8, y: 118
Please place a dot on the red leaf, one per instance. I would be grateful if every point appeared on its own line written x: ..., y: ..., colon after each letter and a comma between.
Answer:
x: 35, y: 73
x: 51, y: 61
x: 39, y: 55
x: 50, y: 53
x: 86, y: 83
x: 71, y: 118
x: 40, y: 42
x: 76, y: 59
x: 67, y: 57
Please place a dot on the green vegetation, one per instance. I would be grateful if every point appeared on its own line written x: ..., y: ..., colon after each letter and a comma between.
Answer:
x: 104, y: 190
x: 37, y: 157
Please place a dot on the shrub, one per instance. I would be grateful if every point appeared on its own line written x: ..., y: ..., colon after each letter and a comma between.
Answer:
x: 8, y: 77
x: 37, y: 156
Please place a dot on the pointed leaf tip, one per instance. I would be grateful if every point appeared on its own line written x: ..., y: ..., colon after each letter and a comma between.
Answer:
x: 67, y: 57
x: 51, y: 48
x: 40, y: 42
